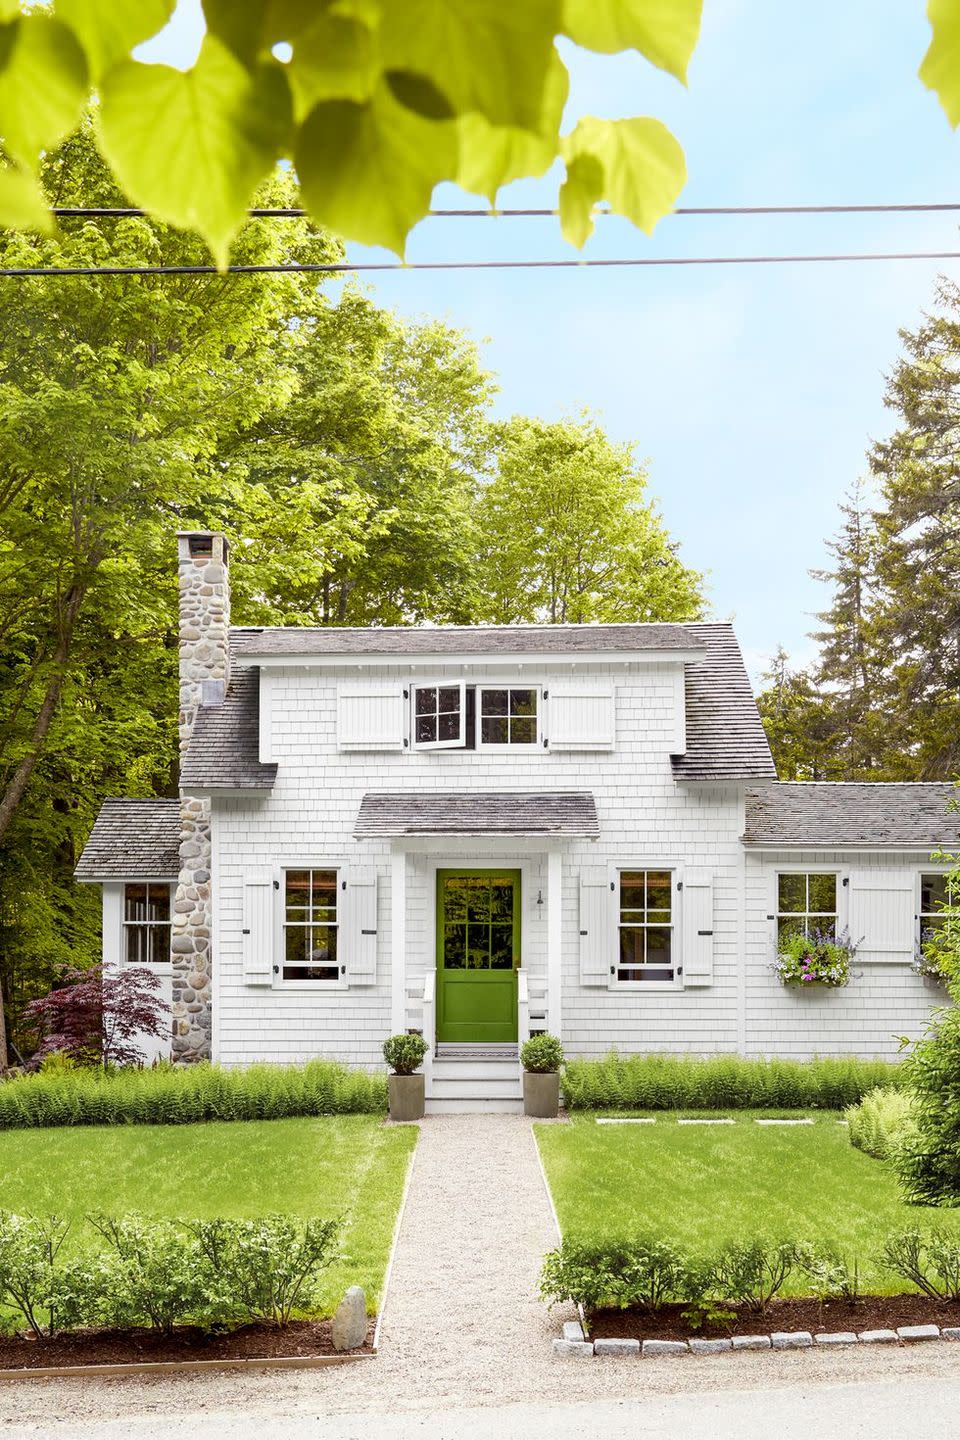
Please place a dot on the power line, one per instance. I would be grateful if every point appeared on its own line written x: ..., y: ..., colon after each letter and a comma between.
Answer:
x: 292, y: 213
x: 336, y: 268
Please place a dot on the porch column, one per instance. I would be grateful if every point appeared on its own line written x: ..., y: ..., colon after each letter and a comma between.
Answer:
x: 554, y: 933
x: 398, y: 942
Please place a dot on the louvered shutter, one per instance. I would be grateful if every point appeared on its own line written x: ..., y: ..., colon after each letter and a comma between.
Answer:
x: 697, y: 928
x: 258, y: 927
x: 581, y: 715
x: 357, y: 940
x: 882, y: 914
x: 596, y: 926
x: 370, y: 715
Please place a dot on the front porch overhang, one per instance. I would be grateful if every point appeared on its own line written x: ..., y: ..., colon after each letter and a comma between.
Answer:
x: 542, y: 816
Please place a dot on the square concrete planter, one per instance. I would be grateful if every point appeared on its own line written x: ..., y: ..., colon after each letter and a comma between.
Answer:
x: 541, y: 1095
x: 407, y: 1096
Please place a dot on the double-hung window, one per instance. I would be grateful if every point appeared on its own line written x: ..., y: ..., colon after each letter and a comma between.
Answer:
x: 310, y: 925
x: 146, y: 924
x: 806, y: 903
x: 646, y: 938
x: 934, y: 894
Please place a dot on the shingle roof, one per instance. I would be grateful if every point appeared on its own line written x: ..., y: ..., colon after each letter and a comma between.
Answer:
x: 458, y: 640
x: 466, y: 813
x: 852, y: 814
x: 133, y: 840
x: 725, y: 737
x: 224, y: 748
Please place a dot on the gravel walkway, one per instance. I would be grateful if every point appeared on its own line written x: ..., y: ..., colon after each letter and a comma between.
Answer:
x: 462, y: 1326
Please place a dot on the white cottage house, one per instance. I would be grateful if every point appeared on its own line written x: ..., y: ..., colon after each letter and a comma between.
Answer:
x: 479, y: 832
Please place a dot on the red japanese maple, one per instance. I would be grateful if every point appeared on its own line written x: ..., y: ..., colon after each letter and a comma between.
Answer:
x: 100, y: 1017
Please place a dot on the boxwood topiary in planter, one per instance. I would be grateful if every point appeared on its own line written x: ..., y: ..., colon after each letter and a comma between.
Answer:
x: 541, y: 1058
x: 404, y: 1054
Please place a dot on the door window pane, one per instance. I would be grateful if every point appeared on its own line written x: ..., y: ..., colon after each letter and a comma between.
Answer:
x: 478, y: 923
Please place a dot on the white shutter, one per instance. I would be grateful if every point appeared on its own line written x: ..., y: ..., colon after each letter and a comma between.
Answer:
x: 882, y: 914
x: 596, y: 928
x: 696, y: 910
x: 357, y: 941
x: 581, y: 715
x: 370, y: 715
x: 258, y: 927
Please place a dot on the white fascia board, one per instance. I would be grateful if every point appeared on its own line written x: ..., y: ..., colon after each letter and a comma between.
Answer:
x: 502, y: 658
x: 904, y: 847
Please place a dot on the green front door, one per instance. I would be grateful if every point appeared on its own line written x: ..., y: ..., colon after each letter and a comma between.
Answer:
x: 478, y: 951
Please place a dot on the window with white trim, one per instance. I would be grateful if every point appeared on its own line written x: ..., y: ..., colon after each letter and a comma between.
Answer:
x: 806, y: 903
x: 507, y: 716
x: 146, y: 924
x: 646, y: 925
x: 439, y: 716
x: 310, y: 925
x: 934, y: 895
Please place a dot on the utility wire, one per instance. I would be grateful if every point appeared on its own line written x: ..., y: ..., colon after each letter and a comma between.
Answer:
x: 282, y: 213
x: 336, y: 268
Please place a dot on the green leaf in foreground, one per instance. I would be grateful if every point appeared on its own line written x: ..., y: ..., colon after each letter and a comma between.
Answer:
x: 637, y: 166
x: 23, y: 205
x: 192, y: 147
x: 43, y: 83
x: 664, y: 31
x: 368, y: 171
x: 493, y: 155
x: 109, y: 31
x: 940, y: 70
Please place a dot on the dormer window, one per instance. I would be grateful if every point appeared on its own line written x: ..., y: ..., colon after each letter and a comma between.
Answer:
x: 439, y: 716
x: 481, y: 717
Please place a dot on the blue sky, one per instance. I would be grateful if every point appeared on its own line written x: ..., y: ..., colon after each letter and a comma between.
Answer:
x: 753, y: 393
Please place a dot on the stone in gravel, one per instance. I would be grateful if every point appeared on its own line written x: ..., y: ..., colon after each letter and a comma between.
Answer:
x: 710, y: 1347
x: 616, y: 1347
x: 572, y: 1330
x: 880, y: 1337
x: 836, y: 1337
x: 791, y: 1339
x: 950, y: 1332
x: 918, y: 1332
x: 573, y: 1349
x: 751, y: 1342
x: 665, y: 1347
x: 349, y: 1328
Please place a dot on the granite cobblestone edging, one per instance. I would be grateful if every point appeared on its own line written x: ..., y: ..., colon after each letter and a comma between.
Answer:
x: 575, y: 1345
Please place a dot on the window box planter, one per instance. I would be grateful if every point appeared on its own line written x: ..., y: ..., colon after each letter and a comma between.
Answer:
x: 817, y: 959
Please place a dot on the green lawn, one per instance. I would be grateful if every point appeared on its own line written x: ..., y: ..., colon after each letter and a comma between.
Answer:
x: 702, y: 1186
x: 351, y: 1166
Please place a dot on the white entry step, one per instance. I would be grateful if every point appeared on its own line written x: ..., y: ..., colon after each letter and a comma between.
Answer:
x: 469, y: 1081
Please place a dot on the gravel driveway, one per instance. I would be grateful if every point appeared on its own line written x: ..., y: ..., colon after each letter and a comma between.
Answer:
x: 462, y: 1325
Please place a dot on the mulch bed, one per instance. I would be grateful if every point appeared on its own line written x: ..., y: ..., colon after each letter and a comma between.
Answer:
x: 140, y: 1347
x: 873, y: 1312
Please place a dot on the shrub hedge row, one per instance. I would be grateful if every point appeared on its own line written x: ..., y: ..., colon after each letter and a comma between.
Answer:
x: 722, y: 1082
x: 882, y: 1122
x: 179, y: 1095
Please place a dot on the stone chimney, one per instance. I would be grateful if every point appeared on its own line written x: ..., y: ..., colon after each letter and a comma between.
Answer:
x: 204, y: 624
x: 204, y: 675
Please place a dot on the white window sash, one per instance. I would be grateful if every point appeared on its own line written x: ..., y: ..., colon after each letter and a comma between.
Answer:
x: 459, y: 742
x: 520, y: 745
x: 335, y: 981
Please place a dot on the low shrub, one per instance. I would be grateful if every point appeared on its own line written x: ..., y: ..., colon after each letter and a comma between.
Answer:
x: 931, y: 1261
x: 181, y: 1095
x: 268, y: 1268
x: 882, y: 1122
x: 927, y: 1160
x: 721, y: 1082
x: 642, y: 1273
x: 752, y: 1272
x: 161, y: 1273
x: 828, y: 1274
x: 541, y: 1055
x: 405, y: 1053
